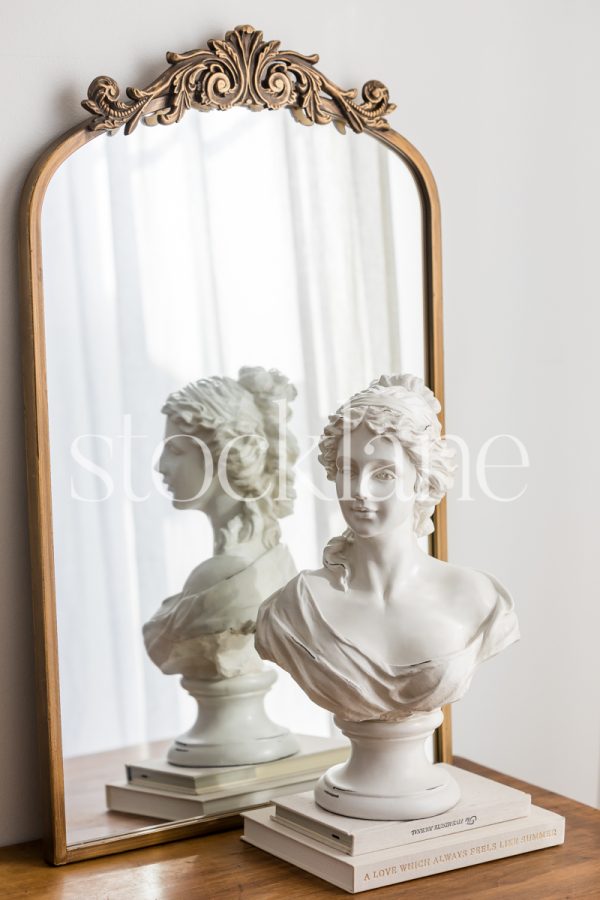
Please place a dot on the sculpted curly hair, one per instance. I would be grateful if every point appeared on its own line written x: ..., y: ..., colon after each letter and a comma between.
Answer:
x: 242, y: 419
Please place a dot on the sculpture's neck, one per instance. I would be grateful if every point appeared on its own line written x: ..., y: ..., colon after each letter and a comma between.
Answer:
x: 229, y: 527
x: 221, y: 512
x: 385, y: 561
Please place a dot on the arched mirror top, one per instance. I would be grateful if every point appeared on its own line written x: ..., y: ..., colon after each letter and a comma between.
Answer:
x: 240, y: 70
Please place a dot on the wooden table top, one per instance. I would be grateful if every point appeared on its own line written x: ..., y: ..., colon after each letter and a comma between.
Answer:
x: 222, y: 867
x: 86, y: 778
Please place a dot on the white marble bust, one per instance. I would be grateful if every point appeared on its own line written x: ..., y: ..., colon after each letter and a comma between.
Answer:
x: 229, y: 454
x: 383, y: 632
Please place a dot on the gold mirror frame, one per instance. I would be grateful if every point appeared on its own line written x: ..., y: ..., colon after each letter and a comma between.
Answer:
x: 240, y: 70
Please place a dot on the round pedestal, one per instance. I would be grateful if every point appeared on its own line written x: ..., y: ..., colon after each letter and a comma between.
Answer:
x: 388, y: 775
x: 232, y: 727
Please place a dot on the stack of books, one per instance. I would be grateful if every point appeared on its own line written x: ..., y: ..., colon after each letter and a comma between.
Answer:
x: 160, y: 790
x: 491, y: 821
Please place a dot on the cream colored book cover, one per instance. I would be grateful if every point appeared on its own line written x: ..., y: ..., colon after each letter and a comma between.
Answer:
x: 315, y: 754
x: 169, y: 805
x: 538, y: 830
x: 483, y: 802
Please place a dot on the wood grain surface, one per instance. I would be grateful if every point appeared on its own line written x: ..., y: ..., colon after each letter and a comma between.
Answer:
x: 221, y: 867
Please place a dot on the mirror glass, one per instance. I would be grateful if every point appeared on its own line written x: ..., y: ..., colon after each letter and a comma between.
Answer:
x: 170, y: 255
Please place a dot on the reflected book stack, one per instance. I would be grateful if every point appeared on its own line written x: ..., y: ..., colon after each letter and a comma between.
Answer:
x: 491, y: 821
x: 161, y: 790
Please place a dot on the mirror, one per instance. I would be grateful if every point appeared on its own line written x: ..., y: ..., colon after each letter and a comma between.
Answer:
x: 171, y: 255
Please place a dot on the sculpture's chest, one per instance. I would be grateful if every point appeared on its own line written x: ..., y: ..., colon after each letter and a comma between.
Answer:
x: 398, y: 635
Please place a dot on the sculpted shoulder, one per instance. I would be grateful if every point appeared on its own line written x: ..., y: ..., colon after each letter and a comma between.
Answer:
x: 318, y: 582
x: 321, y: 581
x: 212, y: 571
x: 469, y: 592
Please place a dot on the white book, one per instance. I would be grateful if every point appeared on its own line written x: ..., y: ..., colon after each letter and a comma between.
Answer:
x: 354, y: 874
x: 171, y: 805
x: 482, y: 802
x: 316, y: 754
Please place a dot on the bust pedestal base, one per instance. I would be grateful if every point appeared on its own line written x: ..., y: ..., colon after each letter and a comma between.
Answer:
x: 232, y: 727
x: 388, y: 775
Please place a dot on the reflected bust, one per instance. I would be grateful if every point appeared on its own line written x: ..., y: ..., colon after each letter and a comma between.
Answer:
x: 384, y: 635
x: 228, y: 453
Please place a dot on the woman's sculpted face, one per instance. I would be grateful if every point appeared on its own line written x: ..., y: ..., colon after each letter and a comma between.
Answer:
x: 187, y: 469
x: 375, y: 482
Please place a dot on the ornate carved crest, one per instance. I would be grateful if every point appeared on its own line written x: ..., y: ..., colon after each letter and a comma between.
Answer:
x: 241, y: 70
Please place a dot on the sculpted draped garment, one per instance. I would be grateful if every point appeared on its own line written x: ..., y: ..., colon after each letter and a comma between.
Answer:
x: 209, y: 634
x: 337, y: 675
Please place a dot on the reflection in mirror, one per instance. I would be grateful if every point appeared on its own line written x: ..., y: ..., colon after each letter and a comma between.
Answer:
x: 175, y: 254
x: 228, y: 453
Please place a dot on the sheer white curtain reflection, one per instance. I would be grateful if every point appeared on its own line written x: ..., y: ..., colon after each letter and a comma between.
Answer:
x: 173, y: 254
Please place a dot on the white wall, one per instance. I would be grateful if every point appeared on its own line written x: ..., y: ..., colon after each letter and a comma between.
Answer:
x: 501, y: 97
x: 521, y: 202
